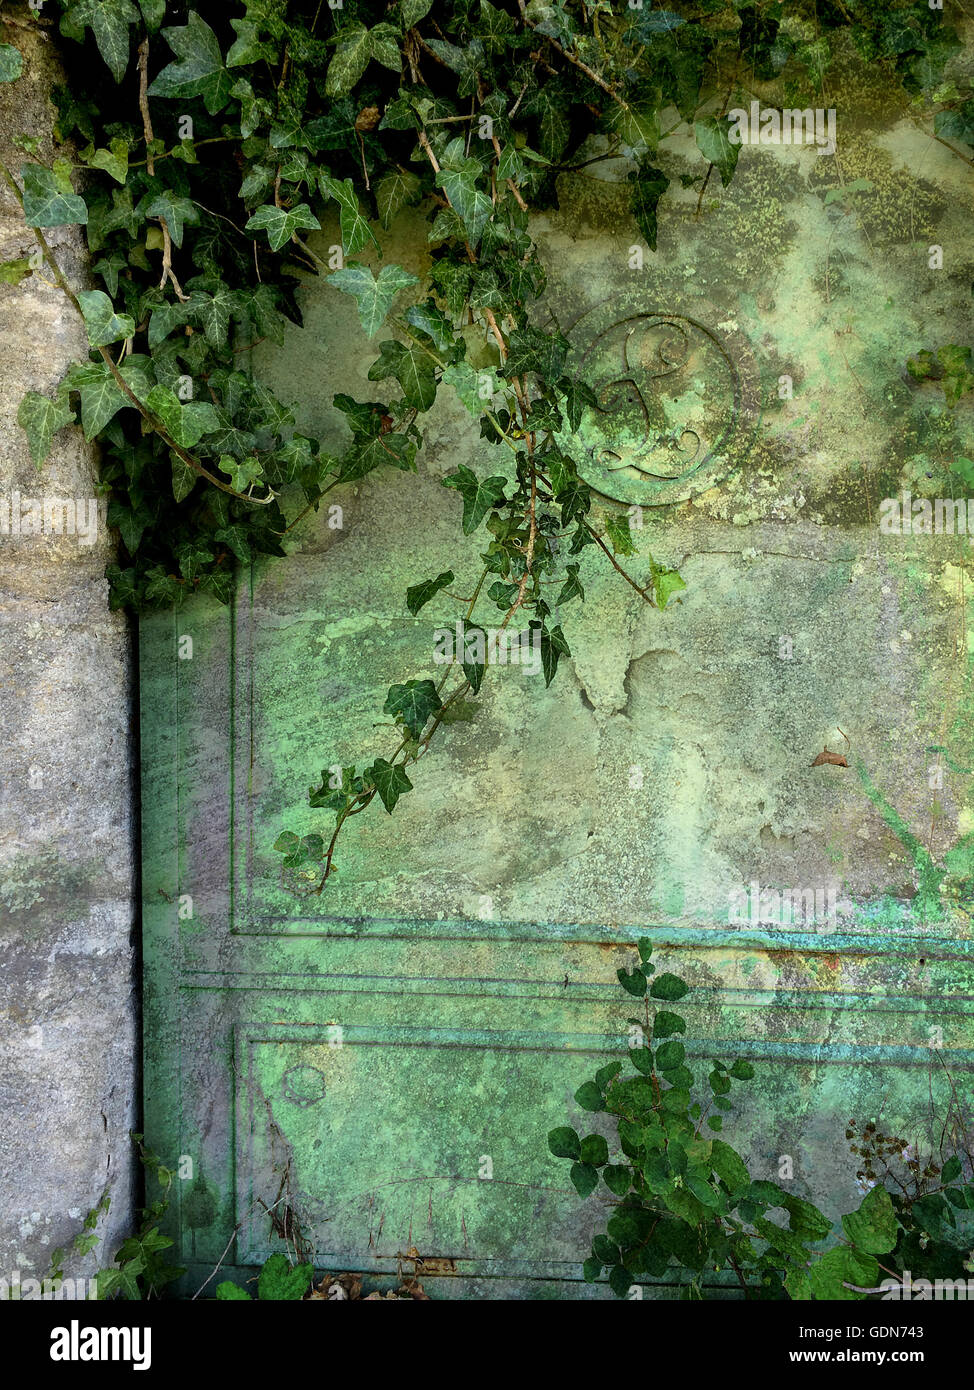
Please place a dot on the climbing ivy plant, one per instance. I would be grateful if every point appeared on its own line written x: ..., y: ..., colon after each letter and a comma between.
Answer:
x: 682, y: 1203
x: 200, y: 146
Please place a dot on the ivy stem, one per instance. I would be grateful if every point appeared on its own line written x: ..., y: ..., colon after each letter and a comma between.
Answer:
x: 590, y: 73
x: 643, y: 593
x: 144, y: 104
x: 362, y: 800
x: 168, y: 154
x: 322, y: 265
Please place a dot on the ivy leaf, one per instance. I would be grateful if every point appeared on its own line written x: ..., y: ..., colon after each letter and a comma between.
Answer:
x: 40, y: 418
x: 13, y: 272
x: 11, y: 62
x: 201, y: 72
x: 213, y: 313
x: 714, y: 143
x: 585, y: 1179
x: 553, y: 648
x: 114, y: 160
x: 355, y: 230
x: 648, y: 186
x: 101, y: 396
x: 280, y: 225
x: 393, y: 192
x: 466, y: 381
x: 108, y: 268
x: 666, y: 582
x: 551, y: 104
x: 228, y: 1292
x: 374, y: 295
x: 956, y: 125
x: 434, y: 323
x: 124, y: 589
x: 364, y: 418
x: 412, y: 11
x: 474, y: 670
x: 389, y: 780
x: 110, y: 23
x: 873, y: 1228
x: 47, y: 203
x: 186, y: 424
x: 103, y: 324
x: 260, y: 302
x: 478, y: 497
x: 412, y: 368
x: 153, y: 12
x: 164, y: 318
x: 418, y: 595
x: 669, y: 987
x: 572, y: 587
x: 350, y: 61
x: 618, y: 532
x: 665, y: 1024
x: 279, y: 1281
x: 194, y: 555
x: 564, y: 1142
x: 174, y: 211
x: 657, y: 22
x: 467, y: 62
x: 384, y: 46
x: 131, y: 523
x: 250, y: 46
x: 458, y: 179
x: 574, y: 498
x: 829, y: 1275
x: 578, y: 395
x: 412, y: 704
x: 496, y: 27
x: 122, y: 216
x: 391, y: 449
x: 532, y: 350
x: 243, y: 473
x: 632, y: 981
x: 183, y: 478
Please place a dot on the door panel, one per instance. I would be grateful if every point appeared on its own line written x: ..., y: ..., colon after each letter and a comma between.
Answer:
x: 384, y: 1063
x: 385, y: 1060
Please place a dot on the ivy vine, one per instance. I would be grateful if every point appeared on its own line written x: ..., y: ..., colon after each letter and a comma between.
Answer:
x: 200, y: 161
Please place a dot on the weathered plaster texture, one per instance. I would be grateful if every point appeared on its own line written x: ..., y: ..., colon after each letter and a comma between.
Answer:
x: 467, y: 950
x: 68, y: 1039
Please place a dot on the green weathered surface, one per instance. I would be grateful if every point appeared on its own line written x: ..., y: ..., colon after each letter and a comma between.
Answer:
x: 467, y: 949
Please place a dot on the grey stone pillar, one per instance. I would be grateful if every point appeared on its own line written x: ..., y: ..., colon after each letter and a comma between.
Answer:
x: 68, y: 1016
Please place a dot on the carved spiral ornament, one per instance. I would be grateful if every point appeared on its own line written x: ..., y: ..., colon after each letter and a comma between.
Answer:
x: 678, y: 403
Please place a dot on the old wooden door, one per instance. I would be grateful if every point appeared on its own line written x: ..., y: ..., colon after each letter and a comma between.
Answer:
x: 385, y: 1061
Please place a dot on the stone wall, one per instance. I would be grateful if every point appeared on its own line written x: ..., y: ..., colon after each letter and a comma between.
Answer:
x: 68, y: 1008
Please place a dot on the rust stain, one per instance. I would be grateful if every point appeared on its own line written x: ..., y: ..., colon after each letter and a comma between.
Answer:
x: 437, y: 1264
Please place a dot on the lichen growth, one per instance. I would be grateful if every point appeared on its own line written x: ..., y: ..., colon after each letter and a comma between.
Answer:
x: 898, y: 209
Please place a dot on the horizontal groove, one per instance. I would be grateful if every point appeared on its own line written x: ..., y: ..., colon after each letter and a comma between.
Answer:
x: 514, y: 1040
